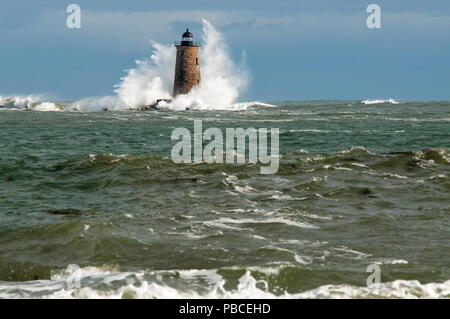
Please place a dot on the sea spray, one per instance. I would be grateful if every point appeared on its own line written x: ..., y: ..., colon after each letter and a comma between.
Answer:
x: 32, y: 102
x: 221, y: 84
x: 222, y: 81
x: 150, y: 80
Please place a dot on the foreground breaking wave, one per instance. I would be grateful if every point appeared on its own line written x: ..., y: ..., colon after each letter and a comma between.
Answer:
x: 92, y: 282
x: 282, y: 226
x: 99, y: 190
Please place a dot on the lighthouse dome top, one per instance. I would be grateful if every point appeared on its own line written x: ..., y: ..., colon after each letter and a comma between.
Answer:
x: 187, y: 40
x: 187, y: 34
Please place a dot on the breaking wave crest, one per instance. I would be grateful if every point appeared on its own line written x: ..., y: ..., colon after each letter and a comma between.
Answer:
x: 94, y: 282
x: 388, y: 101
x: 31, y: 102
x: 290, y: 205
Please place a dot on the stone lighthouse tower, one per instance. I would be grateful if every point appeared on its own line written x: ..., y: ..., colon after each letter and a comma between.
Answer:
x: 187, y: 68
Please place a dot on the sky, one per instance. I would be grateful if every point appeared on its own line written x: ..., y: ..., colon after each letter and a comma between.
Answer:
x: 294, y: 49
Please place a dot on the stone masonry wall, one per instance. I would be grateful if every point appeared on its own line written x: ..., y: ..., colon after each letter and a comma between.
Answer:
x: 187, y: 69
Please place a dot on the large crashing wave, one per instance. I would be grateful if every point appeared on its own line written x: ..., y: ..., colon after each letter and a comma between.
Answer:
x: 222, y: 82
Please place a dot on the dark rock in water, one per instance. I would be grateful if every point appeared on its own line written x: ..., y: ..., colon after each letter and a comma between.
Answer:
x: 148, y: 107
x: 58, y: 167
x: 154, y: 106
x: 9, y: 179
x: 64, y: 212
x: 367, y: 192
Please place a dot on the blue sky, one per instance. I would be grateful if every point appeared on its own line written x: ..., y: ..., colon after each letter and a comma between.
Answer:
x: 296, y: 50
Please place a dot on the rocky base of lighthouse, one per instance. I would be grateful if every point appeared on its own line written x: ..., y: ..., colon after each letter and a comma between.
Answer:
x: 153, y: 106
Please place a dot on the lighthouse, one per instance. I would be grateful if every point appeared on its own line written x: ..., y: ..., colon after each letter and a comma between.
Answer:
x: 187, y: 68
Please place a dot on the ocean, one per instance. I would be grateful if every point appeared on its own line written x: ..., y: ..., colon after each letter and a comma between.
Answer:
x: 92, y: 205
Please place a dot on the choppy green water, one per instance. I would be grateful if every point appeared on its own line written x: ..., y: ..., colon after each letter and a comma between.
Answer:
x: 357, y: 185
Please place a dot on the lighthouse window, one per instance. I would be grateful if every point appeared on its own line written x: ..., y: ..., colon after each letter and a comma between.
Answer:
x: 196, y: 61
x: 182, y: 53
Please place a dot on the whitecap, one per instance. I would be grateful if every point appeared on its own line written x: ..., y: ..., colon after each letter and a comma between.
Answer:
x: 369, y: 102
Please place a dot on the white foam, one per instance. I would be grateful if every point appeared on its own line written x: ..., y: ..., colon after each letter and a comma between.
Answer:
x: 47, y: 107
x: 346, y: 252
x: 391, y: 261
x: 273, y: 220
x: 222, y: 80
x: 30, y: 102
x: 340, y: 168
x: 390, y: 101
x: 398, y: 176
x: 397, y: 289
x: 309, y: 130
x: 359, y: 165
x: 109, y: 283
x: 243, y: 190
x: 282, y: 197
